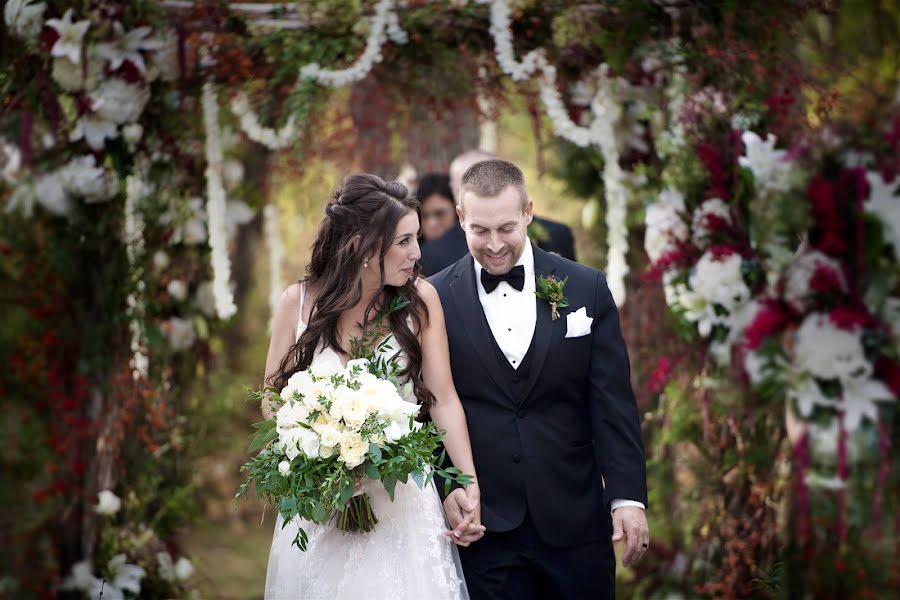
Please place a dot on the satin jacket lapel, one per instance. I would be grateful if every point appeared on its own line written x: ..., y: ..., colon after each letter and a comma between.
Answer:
x: 465, y: 294
x: 543, y: 329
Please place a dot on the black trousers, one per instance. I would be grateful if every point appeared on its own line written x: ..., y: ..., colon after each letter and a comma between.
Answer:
x: 518, y: 565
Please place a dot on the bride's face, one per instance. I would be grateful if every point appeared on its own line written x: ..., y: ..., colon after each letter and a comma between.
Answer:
x: 401, y: 257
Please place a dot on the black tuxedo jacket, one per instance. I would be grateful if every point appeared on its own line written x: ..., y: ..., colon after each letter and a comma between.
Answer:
x: 439, y: 254
x: 575, y: 420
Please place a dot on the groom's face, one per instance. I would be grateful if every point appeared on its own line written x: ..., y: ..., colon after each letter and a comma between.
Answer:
x: 496, y: 228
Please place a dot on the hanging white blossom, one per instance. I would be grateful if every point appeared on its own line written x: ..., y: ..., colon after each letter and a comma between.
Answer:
x: 216, y: 206
x: 383, y: 25
x: 606, y: 113
x: 272, y: 230
x: 273, y: 139
x: 133, y: 235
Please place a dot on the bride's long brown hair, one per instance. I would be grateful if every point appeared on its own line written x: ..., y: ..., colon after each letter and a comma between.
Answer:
x: 370, y: 208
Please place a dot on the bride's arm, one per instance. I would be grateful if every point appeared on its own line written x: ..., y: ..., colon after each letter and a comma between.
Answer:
x: 284, y: 332
x: 447, y: 411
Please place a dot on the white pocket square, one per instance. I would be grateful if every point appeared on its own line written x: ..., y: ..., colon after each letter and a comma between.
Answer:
x: 578, y: 323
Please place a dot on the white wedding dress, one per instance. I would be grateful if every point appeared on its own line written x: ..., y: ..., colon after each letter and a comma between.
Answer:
x: 405, y: 557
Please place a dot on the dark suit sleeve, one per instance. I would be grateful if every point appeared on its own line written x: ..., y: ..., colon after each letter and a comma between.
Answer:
x: 614, y: 415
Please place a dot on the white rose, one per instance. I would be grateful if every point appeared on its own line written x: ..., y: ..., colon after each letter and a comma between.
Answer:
x: 177, y: 289
x: 355, y: 409
x: 118, y: 101
x: 180, y: 333
x: 341, y: 397
x: 160, y: 260
x: 107, y: 503
x: 132, y: 134
x: 396, y: 430
x: 82, y: 177
x: 205, y: 299
x: 309, y: 442
x: 330, y: 435
x: 284, y: 467
x: 233, y: 173
x: 327, y: 451
x: 353, y: 449
x: 183, y: 569
x: 300, y: 382
x: 290, y: 415
x: 71, y: 77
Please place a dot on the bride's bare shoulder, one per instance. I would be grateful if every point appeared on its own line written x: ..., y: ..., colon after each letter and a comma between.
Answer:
x: 428, y: 294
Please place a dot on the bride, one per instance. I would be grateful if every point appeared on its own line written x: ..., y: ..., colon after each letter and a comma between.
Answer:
x: 365, y: 255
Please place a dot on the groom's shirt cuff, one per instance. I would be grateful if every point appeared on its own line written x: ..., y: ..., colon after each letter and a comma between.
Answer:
x: 619, y: 503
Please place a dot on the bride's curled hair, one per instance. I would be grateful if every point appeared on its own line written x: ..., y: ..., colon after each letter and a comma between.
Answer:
x: 369, y: 207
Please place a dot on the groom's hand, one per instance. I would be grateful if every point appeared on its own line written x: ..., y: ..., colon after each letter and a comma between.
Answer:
x: 630, y: 522
x: 463, y: 510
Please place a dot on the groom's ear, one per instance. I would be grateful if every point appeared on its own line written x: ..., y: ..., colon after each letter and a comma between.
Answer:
x: 461, y: 215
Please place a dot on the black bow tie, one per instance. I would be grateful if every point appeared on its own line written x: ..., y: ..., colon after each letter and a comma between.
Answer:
x: 515, y: 277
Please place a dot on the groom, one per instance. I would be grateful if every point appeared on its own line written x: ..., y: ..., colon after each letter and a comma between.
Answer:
x: 549, y: 406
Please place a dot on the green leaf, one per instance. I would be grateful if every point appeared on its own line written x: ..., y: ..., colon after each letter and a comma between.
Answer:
x: 260, y: 439
x: 390, y: 482
x: 375, y: 452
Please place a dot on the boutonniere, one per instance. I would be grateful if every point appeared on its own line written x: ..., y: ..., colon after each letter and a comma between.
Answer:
x: 551, y: 289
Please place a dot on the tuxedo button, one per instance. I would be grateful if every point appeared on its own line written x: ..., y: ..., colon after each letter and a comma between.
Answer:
x: 515, y: 379
x: 517, y: 458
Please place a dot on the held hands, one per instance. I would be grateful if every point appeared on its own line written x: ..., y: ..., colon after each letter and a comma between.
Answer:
x: 463, y: 510
x: 630, y: 523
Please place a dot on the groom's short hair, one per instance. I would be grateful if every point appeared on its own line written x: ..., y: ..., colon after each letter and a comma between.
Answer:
x: 488, y: 178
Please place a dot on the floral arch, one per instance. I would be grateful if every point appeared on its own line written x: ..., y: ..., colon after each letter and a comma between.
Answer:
x: 736, y: 173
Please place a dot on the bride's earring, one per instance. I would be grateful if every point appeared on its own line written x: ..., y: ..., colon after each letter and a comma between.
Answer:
x: 366, y: 263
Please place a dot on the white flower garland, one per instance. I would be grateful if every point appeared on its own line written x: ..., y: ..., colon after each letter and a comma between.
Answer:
x: 273, y: 139
x: 215, y: 206
x: 606, y: 114
x: 600, y: 133
x: 133, y: 236
x: 272, y: 229
x: 385, y: 24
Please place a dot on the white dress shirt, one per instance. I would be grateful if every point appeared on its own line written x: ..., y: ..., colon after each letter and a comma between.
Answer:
x: 512, y: 316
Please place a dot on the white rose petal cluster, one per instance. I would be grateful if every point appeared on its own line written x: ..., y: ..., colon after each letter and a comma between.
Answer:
x: 797, y: 290
x: 339, y: 413
x: 665, y: 224
x: 717, y: 282
x: 825, y: 352
x: 714, y: 208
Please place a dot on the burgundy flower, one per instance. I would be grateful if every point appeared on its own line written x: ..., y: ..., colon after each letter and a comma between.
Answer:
x: 888, y: 371
x: 828, y: 233
x: 718, y: 179
x: 770, y: 320
x: 660, y: 375
x: 826, y: 280
x: 852, y: 317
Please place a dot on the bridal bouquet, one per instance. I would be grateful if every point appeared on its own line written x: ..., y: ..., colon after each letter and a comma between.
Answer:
x: 333, y: 429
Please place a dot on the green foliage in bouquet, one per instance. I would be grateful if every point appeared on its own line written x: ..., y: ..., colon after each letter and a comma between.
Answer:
x: 322, y: 482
